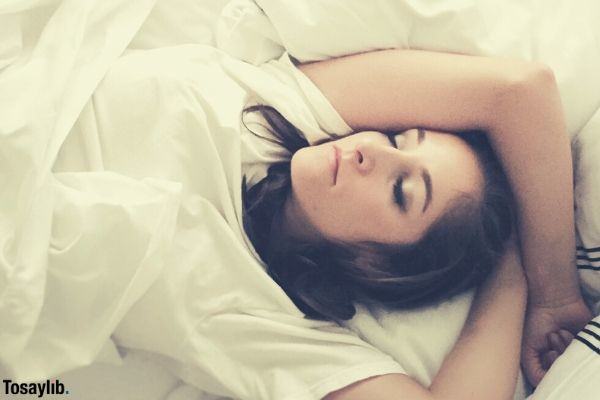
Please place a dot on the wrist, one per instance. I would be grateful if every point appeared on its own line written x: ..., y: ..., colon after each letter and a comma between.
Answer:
x: 553, y: 281
x: 556, y: 296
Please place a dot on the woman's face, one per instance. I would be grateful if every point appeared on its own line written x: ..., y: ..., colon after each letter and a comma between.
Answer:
x: 364, y: 188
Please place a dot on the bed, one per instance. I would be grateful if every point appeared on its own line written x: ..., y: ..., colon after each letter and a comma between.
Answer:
x: 61, y: 205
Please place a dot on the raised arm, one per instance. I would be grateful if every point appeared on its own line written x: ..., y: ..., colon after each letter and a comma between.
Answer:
x: 517, y: 103
x: 402, y: 89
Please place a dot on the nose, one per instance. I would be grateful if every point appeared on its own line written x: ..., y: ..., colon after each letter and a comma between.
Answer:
x: 360, y: 158
x: 368, y: 157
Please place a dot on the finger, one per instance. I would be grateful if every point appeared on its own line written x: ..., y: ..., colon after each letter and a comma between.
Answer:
x: 532, y: 366
x: 552, y: 356
x: 566, y: 336
x: 556, y: 342
x: 549, y: 358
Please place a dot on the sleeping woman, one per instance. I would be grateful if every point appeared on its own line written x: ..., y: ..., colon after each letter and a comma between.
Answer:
x: 458, y: 175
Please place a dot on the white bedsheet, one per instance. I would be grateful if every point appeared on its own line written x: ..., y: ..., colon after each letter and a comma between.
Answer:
x: 43, y: 87
x: 53, y: 54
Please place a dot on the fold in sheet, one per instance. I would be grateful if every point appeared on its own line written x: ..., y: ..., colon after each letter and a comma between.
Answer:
x: 50, y: 233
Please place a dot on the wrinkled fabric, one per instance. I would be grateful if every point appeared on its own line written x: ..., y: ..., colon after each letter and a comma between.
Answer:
x: 59, y: 305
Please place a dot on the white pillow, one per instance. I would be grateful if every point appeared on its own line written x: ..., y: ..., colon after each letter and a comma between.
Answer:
x: 559, y: 33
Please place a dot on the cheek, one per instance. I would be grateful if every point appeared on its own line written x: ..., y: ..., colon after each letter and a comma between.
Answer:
x: 369, y: 196
x: 361, y: 210
x: 310, y: 192
x: 309, y: 168
x: 300, y: 174
x: 303, y: 176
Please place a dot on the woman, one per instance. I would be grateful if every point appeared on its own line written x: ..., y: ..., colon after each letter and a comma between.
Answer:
x: 517, y: 104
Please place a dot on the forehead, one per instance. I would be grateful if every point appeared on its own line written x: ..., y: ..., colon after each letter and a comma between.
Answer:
x: 453, y: 165
x: 452, y: 155
x: 454, y: 170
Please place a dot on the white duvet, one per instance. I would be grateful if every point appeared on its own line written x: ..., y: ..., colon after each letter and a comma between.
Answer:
x: 54, y: 54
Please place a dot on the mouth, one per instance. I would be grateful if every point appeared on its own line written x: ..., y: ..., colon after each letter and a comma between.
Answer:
x: 334, y: 162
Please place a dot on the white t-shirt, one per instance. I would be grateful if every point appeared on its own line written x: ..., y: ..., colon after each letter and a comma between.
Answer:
x: 214, y: 316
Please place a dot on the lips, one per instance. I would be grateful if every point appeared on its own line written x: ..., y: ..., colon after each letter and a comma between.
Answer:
x: 334, y: 162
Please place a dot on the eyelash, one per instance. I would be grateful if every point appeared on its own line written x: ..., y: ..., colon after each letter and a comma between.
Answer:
x: 398, y: 192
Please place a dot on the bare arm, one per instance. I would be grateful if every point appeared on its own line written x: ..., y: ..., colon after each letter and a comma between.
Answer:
x: 515, y: 102
x: 485, y: 360
x: 531, y: 138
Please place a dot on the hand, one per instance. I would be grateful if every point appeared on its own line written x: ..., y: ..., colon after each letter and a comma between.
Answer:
x: 548, y: 331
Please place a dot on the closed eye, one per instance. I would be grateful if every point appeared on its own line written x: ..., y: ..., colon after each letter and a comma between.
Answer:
x: 392, y: 138
x: 398, y: 191
x: 399, y: 194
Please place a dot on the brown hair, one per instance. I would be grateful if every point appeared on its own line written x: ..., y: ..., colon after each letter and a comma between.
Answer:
x: 324, y: 280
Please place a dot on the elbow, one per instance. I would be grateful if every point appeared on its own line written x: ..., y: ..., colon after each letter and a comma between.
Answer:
x: 545, y: 74
x: 526, y: 85
x: 530, y: 77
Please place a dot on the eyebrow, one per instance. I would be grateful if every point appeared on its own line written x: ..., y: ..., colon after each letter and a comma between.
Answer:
x: 428, y: 188
x: 425, y: 175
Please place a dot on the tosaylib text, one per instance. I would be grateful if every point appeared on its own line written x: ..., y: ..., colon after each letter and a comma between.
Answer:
x: 40, y: 389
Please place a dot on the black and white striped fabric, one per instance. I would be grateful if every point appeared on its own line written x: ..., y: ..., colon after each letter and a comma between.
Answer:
x: 588, y: 266
x: 588, y: 258
x: 590, y: 336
